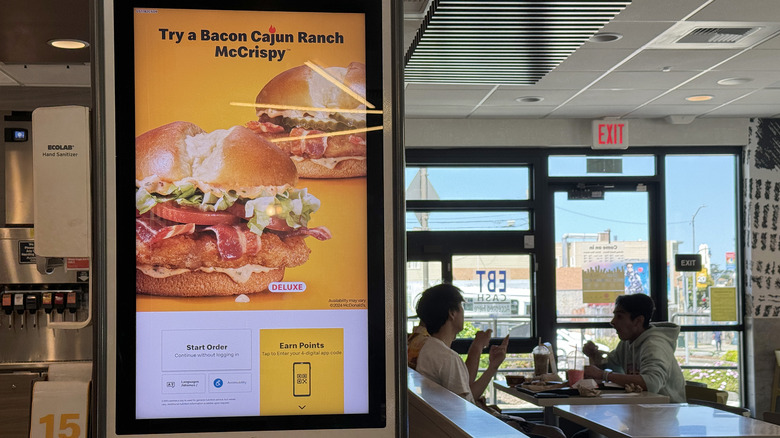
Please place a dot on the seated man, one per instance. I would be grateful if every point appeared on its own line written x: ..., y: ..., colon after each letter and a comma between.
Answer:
x: 440, y: 310
x: 645, y: 355
x: 441, y: 314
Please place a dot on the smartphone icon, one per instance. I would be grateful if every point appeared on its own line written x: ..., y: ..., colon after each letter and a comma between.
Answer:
x: 302, y: 379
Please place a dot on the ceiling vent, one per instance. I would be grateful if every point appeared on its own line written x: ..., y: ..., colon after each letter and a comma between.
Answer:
x: 714, y: 35
x: 501, y: 42
x: 717, y: 35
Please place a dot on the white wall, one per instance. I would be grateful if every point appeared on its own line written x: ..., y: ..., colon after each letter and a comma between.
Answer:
x: 568, y: 132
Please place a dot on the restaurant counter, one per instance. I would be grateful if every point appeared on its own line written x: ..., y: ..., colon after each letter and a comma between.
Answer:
x: 434, y: 411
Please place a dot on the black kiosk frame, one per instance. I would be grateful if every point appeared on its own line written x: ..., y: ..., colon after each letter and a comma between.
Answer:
x: 127, y: 392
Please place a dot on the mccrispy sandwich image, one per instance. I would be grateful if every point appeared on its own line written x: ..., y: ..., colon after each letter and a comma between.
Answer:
x: 323, y: 112
x: 217, y: 213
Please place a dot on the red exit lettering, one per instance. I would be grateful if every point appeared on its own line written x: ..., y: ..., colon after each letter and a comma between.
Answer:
x: 611, y: 133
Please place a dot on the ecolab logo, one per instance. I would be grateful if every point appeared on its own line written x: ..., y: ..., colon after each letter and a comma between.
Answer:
x: 287, y: 286
x: 61, y: 147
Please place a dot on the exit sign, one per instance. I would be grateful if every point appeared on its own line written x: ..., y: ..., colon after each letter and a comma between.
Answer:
x: 610, y: 134
x: 687, y: 262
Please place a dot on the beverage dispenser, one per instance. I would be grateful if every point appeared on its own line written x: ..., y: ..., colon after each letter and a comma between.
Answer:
x: 45, y: 248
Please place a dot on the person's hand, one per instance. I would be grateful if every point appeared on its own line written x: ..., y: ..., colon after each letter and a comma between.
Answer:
x: 633, y: 387
x: 590, y: 349
x: 482, y: 339
x: 498, y: 352
x: 593, y: 372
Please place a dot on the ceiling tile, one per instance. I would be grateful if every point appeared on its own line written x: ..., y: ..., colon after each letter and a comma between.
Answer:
x: 566, y: 80
x: 502, y: 111
x: 735, y: 110
x: 761, y: 97
x: 742, y: 10
x: 431, y: 94
x: 438, y: 111
x: 635, y: 34
x: 593, y: 59
x: 754, y: 60
x: 614, y: 97
x: 660, y: 110
x: 410, y: 30
x: 590, y: 111
x: 772, y: 43
x: 506, y: 95
x: 658, y: 10
x: 639, y: 80
x: 709, y: 80
x: 677, y: 97
x: 678, y: 60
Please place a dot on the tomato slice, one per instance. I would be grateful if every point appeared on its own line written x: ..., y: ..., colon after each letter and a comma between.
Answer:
x: 188, y: 215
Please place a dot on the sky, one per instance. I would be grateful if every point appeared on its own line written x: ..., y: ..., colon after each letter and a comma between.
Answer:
x: 692, y: 182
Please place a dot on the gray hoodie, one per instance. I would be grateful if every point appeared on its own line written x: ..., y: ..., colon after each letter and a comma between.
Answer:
x: 651, y: 355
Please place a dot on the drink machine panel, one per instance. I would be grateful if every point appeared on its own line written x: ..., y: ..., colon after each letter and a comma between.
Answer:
x: 44, y: 261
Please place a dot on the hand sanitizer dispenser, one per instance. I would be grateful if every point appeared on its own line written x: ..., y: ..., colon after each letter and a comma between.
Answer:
x: 61, y: 192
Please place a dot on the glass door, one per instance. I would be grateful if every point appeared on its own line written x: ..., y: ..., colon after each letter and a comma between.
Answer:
x: 601, y: 250
x: 497, y: 292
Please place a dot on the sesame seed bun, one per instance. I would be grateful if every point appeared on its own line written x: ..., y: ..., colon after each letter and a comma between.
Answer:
x: 231, y: 159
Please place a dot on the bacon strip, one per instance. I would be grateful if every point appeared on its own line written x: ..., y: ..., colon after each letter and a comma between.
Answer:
x: 234, y: 241
x: 152, y: 231
x: 319, y: 233
x: 265, y: 127
x: 308, y: 147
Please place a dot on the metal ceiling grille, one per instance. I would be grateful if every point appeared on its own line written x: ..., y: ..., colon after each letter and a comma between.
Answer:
x: 501, y: 41
x: 721, y: 35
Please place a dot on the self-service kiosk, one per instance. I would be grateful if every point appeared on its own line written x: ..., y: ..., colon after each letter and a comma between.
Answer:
x: 265, y: 302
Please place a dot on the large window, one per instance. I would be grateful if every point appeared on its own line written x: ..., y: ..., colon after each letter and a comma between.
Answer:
x: 542, y: 241
x: 472, y: 225
x: 701, y: 218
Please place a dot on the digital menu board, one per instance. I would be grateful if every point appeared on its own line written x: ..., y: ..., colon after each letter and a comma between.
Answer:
x: 255, y: 297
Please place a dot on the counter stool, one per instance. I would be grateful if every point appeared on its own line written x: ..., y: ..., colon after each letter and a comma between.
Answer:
x: 776, y: 382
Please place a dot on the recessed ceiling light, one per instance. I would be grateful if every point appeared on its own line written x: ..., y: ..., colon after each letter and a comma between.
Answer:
x: 605, y: 37
x: 68, y: 44
x: 699, y: 98
x: 529, y: 99
x: 734, y: 81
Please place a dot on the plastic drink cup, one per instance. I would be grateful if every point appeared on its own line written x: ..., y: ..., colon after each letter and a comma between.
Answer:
x: 541, y: 364
x: 574, y: 376
x: 576, y: 367
x: 541, y: 359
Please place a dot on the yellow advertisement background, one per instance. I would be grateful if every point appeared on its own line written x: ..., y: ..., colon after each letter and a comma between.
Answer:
x: 326, y: 375
x: 186, y: 82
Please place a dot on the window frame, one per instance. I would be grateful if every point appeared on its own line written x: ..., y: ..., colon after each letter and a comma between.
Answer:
x: 427, y: 245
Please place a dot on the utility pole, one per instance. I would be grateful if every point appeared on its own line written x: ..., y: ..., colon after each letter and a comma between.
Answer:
x: 693, y: 274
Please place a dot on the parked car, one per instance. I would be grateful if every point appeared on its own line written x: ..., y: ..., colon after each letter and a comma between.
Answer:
x: 567, y: 341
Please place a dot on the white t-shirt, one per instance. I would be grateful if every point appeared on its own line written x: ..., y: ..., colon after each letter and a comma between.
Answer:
x: 441, y: 364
